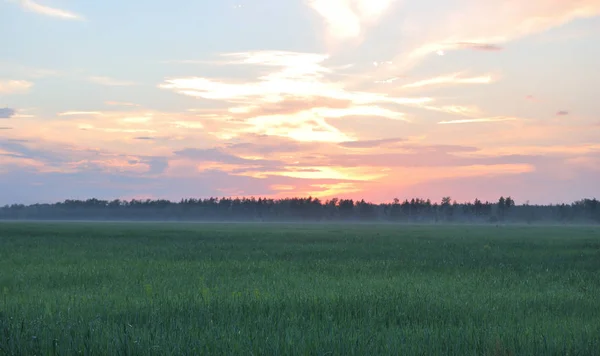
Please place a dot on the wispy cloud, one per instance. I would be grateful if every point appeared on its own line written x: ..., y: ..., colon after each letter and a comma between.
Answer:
x: 461, y: 110
x: 454, y: 78
x: 287, y: 106
x: 294, y: 99
x: 483, y: 120
x: 80, y: 113
x: 486, y: 22
x: 297, y: 75
x: 303, y: 126
x: 14, y: 86
x: 370, y: 143
x: 300, y: 62
x: 33, y: 6
x: 388, y: 81
x: 346, y: 19
x: 562, y: 113
x: 7, y: 113
x: 360, y: 110
x: 110, y: 81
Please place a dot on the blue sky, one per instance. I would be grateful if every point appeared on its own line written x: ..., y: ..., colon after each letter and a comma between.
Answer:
x: 375, y: 99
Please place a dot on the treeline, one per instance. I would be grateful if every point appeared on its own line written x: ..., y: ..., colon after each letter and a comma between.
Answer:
x: 307, y: 209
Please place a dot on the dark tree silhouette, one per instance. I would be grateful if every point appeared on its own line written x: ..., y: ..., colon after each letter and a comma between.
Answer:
x: 306, y: 209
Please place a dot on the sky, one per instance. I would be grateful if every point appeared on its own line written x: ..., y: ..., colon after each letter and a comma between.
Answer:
x: 373, y: 99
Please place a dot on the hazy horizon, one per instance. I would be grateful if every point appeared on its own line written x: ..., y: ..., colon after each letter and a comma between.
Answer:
x: 377, y: 99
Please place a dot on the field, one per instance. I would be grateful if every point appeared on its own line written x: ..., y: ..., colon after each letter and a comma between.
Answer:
x: 252, y: 289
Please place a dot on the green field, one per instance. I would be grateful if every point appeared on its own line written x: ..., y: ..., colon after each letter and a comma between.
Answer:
x: 251, y: 289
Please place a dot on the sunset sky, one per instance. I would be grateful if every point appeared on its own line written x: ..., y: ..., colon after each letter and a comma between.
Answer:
x: 371, y: 99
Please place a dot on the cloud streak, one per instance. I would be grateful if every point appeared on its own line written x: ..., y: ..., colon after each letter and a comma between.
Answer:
x: 80, y: 113
x: 33, y: 6
x: 487, y: 22
x: 454, y: 78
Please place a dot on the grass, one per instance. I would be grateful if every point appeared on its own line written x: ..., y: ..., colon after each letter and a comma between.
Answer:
x: 250, y: 289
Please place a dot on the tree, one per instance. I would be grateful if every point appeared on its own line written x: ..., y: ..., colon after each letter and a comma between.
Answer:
x: 509, y: 203
x: 447, y: 208
x: 303, y: 209
x: 501, y: 207
x: 478, y: 206
x: 501, y: 202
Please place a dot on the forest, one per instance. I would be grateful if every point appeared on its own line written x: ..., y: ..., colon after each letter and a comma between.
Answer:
x: 415, y: 210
